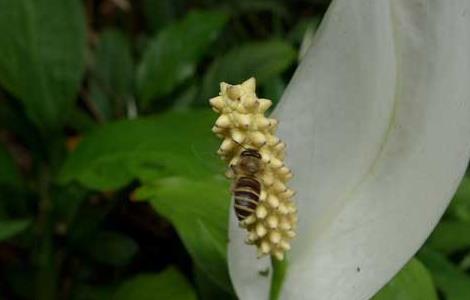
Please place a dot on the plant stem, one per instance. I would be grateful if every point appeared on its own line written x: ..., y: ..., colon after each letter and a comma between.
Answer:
x: 279, y: 272
x: 46, y: 270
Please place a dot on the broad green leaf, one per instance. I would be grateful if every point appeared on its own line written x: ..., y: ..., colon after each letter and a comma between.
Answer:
x: 184, y: 100
x: 112, y: 75
x: 89, y: 292
x: 9, y: 174
x: 10, y: 228
x: 308, y: 37
x: 460, y: 206
x: 297, y: 33
x: 450, y: 236
x: 250, y: 6
x: 173, y: 54
x: 208, y: 289
x: 273, y: 89
x: 112, y: 248
x: 165, y: 145
x: 80, y: 121
x: 42, y: 56
x: 14, y: 119
x: 173, y: 154
x: 262, y: 60
x: 169, y: 284
x: 199, y: 211
x: 465, y: 262
x: 159, y: 13
x: 413, y: 282
x: 454, y: 283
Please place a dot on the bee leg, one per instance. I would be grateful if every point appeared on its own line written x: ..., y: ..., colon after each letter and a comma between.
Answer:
x: 230, y: 173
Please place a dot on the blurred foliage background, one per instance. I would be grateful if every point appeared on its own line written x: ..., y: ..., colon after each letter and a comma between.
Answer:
x: 109, y: 183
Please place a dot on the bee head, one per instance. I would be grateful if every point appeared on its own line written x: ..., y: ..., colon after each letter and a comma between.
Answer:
x: 251, y: 153
x: 250, y: 161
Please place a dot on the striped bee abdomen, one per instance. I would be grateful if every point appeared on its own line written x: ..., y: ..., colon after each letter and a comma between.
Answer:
x: 248, y: 184
x: 246, y: 195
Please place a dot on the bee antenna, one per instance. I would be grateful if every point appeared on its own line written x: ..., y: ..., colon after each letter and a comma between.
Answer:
x: 239, y: 144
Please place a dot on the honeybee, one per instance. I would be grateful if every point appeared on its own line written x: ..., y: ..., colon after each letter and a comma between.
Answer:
x: 247, y: 188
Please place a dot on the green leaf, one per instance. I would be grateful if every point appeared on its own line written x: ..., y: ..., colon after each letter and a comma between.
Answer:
x: 159, y: 13
x: 173, y: 55
x: 184, y: 100
x: 250, y: 6
x: 174, y: 156
x: 262, y: 60
x: 273, y: 89
x: 10, y: 228
x: 89, y: 292
x: 460, y: 206
x: 307, y: 39
x: 14, y: 119
x: 199, y: 211
x: 9, y: 174
x: 450, y: 236
x: 208, y: 289
x: 465, y: 262
x: 80, y: 121
x: 112, y: 248
x: 454, y: 283
x: 413, y: 282
x: 169, y: 284
x: 42, y: 56
x: 169, y: 144
x: 297, y: 33
x: 112, y: 77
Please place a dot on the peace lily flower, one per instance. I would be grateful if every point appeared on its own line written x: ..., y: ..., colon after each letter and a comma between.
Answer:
x: 377, y: 126
x: 267, y: 213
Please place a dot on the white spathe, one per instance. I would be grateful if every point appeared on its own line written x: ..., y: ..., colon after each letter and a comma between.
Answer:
x: 377, y: 124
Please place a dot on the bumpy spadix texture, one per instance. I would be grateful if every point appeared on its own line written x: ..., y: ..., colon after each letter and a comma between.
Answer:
x: 242, y: 125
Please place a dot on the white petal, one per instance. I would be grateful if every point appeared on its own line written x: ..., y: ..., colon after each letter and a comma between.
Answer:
x: 250, y: 276
x: 377, y: 123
